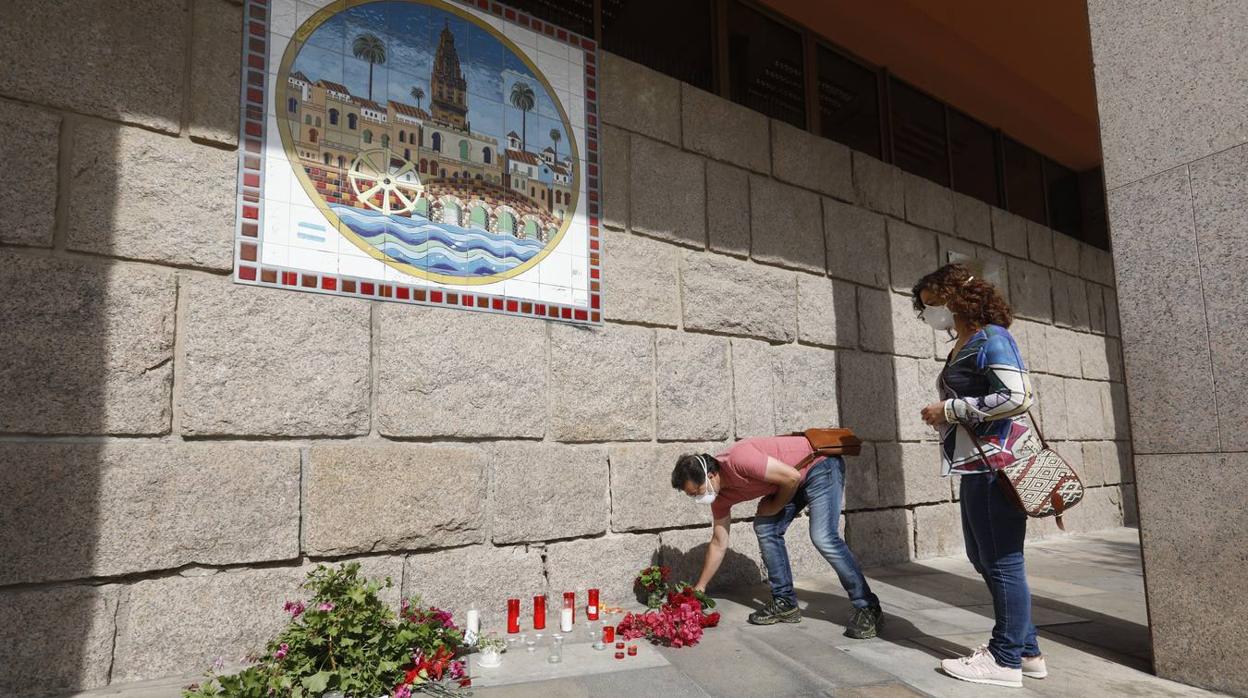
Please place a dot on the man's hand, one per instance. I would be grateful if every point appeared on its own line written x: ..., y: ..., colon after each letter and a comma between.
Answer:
x: 770, y: 505
x: 786, y: 478
x: 934, y: 414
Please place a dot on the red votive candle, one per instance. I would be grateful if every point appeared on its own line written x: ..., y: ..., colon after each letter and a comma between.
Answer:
x: 591, y: 611
x: 619, y: 645
x: 539, y: 612
x: 608, y: 634
x: 569, y: 601
x: 619, y: 655
x: 513, y: 615
x: 632, y: 650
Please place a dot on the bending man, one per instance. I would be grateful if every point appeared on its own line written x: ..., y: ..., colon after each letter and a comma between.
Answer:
x: 763, y: 469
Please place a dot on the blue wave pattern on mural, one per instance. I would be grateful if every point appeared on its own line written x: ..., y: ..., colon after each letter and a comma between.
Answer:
x: 441, y: 247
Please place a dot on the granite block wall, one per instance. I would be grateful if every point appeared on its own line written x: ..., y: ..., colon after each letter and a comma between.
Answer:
x: 177, y: 450
x: 1171, y: 80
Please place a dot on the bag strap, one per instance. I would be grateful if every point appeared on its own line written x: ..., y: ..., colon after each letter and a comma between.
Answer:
x: 975, y: 440
x: 811, y: 458
x: 1035, y: 423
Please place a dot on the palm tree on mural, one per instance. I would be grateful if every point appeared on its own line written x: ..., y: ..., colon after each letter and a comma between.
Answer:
x: 522, y: 98
x: 367, y: 47
x: 554, y: 137
x: 417, y: 94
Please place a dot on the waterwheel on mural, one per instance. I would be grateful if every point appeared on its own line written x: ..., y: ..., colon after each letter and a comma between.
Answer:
x: 385, y: 182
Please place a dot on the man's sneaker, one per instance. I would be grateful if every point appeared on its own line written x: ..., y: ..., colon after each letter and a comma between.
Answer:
x: 776, y: 611
x: 865, y: 623
x: 982, y: 667
x: 1034, y: 667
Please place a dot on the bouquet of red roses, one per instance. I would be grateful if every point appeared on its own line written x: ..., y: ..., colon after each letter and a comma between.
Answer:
x: 679, y: 619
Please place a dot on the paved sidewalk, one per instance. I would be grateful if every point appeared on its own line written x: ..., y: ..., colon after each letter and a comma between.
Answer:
x: 1088, y: 602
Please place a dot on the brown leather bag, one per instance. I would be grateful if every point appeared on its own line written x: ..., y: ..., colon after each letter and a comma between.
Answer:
x: 830, y: 441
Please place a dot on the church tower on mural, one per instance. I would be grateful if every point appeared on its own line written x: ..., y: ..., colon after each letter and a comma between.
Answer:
x: 449, y: 101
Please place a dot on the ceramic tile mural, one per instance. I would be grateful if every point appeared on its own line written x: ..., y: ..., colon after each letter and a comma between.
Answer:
x: 420, y: 151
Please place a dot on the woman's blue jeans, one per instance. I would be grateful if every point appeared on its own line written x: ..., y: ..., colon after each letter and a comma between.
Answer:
x: 994, y: 529
x: 821, y: 491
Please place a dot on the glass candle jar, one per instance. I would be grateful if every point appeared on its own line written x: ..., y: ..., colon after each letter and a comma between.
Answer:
x: 513, y: 615
x: 632, y: 650
x: 567, y: 615
x: 591, y: 610
x: 608, y: 634
x: 539, y: 612
x: 556, y: 651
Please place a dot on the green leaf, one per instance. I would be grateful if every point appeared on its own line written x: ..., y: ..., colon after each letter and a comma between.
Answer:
x: 317, y: 682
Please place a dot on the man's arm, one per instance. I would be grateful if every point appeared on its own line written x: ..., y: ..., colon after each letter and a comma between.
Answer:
x: 786, y: 478
x: 714, y: 552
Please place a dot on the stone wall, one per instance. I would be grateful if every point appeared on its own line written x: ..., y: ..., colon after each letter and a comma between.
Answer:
x: 177, y: 450
x: 1171, y: 81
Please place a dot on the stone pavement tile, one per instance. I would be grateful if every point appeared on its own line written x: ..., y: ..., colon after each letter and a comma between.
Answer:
x: 920, y: 591
x: 665, y: 681
x: 884, y: 690
x: 955, y: 565
x: 1114, y: 604
x: 1103, y: 580
x: 722, y: 666
x: 1072, y: 566
x: 580, y: 660
x: 1057, y: 588
x: 980, y: 618
x: 1119, y: 636
x: 778, y: 660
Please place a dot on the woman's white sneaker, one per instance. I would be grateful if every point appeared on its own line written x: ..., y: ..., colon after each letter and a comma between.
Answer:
x: 1034, y: 667
x: 982, y: 667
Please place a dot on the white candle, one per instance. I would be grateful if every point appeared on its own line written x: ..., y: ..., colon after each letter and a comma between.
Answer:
x: 474, y: 625
x: 565, y: 620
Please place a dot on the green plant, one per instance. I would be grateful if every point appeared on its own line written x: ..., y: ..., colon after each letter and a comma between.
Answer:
x: 651, y: 583
x: 346, y: 639
x: 491, y: 642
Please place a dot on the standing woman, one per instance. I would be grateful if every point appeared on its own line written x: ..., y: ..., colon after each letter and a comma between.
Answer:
x: 984, y: 388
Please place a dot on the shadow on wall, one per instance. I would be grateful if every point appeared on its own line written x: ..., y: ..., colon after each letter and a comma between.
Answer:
x: 87, y: 356
x: 737, y: 569
x: 89, y: 345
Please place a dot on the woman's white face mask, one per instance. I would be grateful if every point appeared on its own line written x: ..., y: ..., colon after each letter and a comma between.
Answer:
x: 710, y: 494
x: 939, y: 317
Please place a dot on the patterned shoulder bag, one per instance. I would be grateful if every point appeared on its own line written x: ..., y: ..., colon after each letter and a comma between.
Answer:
x: 1042, y: 484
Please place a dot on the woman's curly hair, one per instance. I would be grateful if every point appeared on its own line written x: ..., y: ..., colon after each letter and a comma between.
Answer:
x: 967, y: 295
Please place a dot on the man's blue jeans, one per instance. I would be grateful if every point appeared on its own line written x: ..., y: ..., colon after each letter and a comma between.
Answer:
x: 994, y: 529
x: 821, y: 491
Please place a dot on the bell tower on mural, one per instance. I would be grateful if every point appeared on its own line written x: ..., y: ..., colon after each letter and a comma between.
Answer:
x: 449, y: 101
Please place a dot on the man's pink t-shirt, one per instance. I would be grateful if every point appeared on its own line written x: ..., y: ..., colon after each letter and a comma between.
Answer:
x: 743, y: 467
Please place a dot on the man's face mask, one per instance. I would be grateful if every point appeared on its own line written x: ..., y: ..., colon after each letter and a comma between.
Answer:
x: 709, y: 495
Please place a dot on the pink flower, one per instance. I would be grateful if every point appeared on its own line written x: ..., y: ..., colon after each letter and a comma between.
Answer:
x: 294, y: 608
x: 457, y: 670
x: 327, y: 606
x: 403, y: 692
x: 282, y: 651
